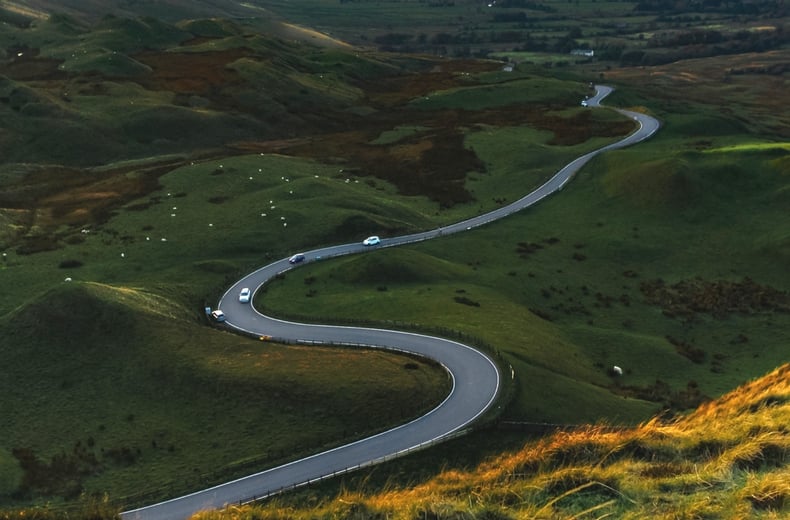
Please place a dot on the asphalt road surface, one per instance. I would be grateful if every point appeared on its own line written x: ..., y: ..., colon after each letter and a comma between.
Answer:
x: 475, y: 377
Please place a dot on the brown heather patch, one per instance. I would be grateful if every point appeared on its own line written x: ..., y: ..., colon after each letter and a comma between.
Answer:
x: 396, y: 90
x: 718, y: 298
x: 197, y: 73
x: 45, y: 198
x: 754, y: 83
x: 30, y: 66
x: 433, y: 163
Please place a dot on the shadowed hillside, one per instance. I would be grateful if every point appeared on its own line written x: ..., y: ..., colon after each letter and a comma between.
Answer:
x: 172, y: 10
x: 137, y: 391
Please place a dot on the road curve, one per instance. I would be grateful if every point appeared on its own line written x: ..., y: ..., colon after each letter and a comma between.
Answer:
x: 475, y: 377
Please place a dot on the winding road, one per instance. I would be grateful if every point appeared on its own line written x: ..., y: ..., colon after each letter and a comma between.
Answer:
x: 475, y: 377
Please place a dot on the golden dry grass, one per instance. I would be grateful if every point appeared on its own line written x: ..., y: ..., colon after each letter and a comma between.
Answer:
x: 728, y: 460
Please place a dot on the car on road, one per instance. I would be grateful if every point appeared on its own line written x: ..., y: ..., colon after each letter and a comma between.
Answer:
x: 295, y: 259
x: 244, y: 295
x: 584, y: 103
x: 218, y: 316
x: 371, y: 241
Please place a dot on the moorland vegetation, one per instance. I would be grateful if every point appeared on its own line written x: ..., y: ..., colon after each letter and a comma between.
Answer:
x: 151, y: 163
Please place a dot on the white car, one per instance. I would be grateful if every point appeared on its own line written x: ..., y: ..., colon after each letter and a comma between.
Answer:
x: 584, y: 103
x: 218, y: 316
x: 244, y: 295
x: 371, y: 241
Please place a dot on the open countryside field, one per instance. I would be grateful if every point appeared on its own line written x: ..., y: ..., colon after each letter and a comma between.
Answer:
x: 643, y: 32
x: 590, y: 276
x: 640, y: 262
x: 149, y: 238
x: 574, y: 291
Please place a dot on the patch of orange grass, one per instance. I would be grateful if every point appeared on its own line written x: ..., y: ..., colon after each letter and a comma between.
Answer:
x: 305, y: 33
x: 24, y: 10
x: 584, y: 454
x: 726, y: 460
x: 751, y: 397
x: 688, y: 76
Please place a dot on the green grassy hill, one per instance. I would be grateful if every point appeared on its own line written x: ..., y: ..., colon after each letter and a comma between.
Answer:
x: 115, y: 388
x: 671, y: 265
x: 153, y: 164
x: 135, y: 88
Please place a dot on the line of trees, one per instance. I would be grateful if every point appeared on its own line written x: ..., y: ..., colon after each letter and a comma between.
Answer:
x: 663, y: 49
x: 762, y: 7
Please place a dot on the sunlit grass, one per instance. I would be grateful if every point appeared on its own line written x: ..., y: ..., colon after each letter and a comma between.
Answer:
x: 747, y: 147
x: 679, y: 468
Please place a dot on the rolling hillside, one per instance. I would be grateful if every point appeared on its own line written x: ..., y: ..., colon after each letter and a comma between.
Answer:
x: 170, y: 10
x: 150, y: 162
x: 726, y: 460
x: 144, y: 400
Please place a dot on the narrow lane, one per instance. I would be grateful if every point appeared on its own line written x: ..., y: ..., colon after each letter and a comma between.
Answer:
x: 476, y: 379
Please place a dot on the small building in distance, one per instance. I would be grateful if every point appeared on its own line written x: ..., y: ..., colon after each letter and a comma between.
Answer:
x: 589, y: 53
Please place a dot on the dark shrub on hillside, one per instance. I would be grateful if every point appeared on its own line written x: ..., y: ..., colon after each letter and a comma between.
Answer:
x: 466, y: 301
x: 70, y: 264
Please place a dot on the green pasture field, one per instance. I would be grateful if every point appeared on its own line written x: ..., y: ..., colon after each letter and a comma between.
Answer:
x: 504, y: 89
x: 534, y: 57
x: 359, y: 22
x: 397, y: 134
x: 219, y: 217
x: 98, y: 354
x: 138, y: 285
x: 566, y: 310
x: 147, y: 404
x: 122, y: 376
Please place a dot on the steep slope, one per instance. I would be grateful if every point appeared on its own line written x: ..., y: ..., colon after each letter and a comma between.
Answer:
x: 727, y: 460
